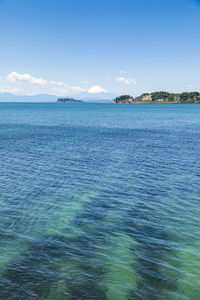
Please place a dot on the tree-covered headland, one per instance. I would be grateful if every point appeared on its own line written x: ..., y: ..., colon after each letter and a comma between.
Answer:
x: 160, y: 97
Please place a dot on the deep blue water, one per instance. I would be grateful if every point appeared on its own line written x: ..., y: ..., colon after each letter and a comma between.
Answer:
x: 99, y: 201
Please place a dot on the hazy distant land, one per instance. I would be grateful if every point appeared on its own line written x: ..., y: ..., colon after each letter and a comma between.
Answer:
x: 68, y: 100
x: 100, y: 97
x: 155, y: 97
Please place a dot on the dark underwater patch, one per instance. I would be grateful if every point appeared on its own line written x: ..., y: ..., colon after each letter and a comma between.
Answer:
x: 153, y: 247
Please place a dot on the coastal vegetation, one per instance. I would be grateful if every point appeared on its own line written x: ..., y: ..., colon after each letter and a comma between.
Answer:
x: 68, y: 100
x: 161, y: 97
x: 124, y: 99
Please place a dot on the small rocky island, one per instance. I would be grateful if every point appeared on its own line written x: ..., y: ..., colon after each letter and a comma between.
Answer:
x: 68, y: 100
x: 161, y: 97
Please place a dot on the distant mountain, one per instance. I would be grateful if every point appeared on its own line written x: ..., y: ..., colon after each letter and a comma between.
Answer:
x: 101, y: 97
x: 8, y: 97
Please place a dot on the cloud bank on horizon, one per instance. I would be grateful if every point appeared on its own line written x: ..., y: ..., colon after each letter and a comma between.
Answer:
x: 125, y: 80
x: 21, y: 84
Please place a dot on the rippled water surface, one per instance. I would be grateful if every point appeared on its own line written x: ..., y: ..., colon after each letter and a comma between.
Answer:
x: 99, y: 201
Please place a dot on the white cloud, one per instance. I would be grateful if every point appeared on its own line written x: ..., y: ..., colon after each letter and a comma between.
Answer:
x: 29, y: 85
x: 77, y: 89
x: 14, y: 76
x: 127, y: 81
x: 68, y: 90
x: 193, y: 86
x: 15, y: 91
x: 123, y: 71
x: 57, y: 83
x: 27, y: 78
x: 2, y: 90
x: 85, y: 82
x: 45, y: 86
x: 95, y: 89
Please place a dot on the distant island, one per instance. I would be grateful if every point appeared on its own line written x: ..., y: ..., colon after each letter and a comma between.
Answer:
x: 160, y: 97
x: 68, y: 100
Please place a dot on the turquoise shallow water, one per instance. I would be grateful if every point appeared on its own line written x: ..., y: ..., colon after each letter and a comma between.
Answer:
x: 99, y: 201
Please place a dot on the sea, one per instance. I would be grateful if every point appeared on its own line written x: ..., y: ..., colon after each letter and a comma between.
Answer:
x: 99, y: 201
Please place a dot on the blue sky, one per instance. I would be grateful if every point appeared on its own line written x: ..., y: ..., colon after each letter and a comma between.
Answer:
x: 65, y: 47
